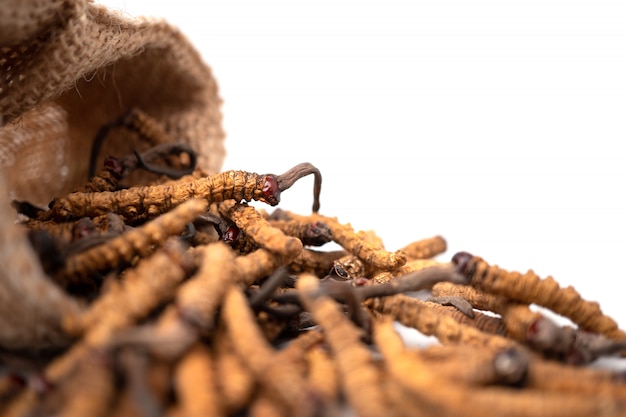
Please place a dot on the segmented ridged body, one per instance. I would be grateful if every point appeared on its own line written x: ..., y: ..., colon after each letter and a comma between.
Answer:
x: 530, y: 288
x: 141, y: 203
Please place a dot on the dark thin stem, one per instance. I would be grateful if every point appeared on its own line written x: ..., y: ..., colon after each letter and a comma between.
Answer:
x: 287, y: 179
x: 220, y: 224
x: 414, y: 281
x: 145, y: 160
x: 350, y: 296
x: 270, y: 285
x: 97, y: 145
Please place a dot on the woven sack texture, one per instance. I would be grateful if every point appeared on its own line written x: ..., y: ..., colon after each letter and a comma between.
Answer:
x: 69, y: 67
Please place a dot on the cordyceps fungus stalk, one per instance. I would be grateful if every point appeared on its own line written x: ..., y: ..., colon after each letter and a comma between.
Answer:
x: 530, y: 288
x: 287, y: 179
x: 137, y: 204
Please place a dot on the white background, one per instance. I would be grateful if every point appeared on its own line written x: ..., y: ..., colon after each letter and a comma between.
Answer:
x: 498, y: 125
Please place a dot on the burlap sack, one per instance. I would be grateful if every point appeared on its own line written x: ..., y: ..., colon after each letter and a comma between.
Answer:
x: 69, y: 67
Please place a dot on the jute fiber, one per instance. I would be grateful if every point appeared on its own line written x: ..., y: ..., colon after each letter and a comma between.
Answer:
x: 69, y: 67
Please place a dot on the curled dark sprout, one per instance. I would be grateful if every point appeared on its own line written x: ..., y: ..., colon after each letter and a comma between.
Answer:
x: 265, y: 291
x: 275, y: 184
x: 145, y: 159
x: 97, y: 145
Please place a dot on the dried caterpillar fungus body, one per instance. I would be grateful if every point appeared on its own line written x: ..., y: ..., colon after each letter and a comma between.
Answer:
x: 250, y: 221
x: 122, y: 248
x: 283, y: 382
x: 140, y: 203
x: 546, y: 292
x: 313, y: 233
x: 195, y: 383
x: 359, y: 375
x: 137, y: 204
x: 420, y: 315
x: 522, y: 324
x: 425, y: 248
x: 360, y: 245
x: 442, y: 396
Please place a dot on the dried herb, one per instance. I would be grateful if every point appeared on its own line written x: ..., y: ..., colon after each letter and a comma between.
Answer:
x: 182, y: 299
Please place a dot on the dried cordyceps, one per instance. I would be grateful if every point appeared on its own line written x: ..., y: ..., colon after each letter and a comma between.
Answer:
x: 284, y: 383
x: 357, y: 243
x: 442, y: 396
x: 209, y: 306
x: 418, y: 314
x: 314, y: 233
x: 198, y: 298
x: 152, y: 283
x: 137, y: 204
x: 141, y: 240
x: 234, y: 381
x: 148, y: 128
x: 359, y: 376
x: 250, y: 222
x: 315, y: 262
x: 546, y: 292
x: 522, y: 324
x: 425, y: 248
x: 195, y: 384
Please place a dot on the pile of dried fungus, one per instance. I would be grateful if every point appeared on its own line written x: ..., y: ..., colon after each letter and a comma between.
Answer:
x: 180, y: 299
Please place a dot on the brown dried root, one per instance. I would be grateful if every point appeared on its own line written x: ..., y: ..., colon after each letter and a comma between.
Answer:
x: 322, y: 374
x: 229, y: 233
x: 529, y: 288
x: 146, y: 384
x: 194, y: 310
